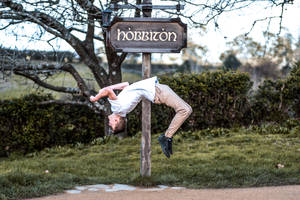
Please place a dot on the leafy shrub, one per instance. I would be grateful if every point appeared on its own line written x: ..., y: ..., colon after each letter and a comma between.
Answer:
x: 292, y: 91
x: 268, y: 103
x: 26, y: 125
x: 278, y: 100
x: 218, y: 99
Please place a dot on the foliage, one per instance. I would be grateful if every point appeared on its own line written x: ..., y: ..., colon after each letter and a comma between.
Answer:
x: 279, y: 49
x: 278, y: 100
x: 231, y: 62
x: 292, y: 92
x: 267, y: 69
x: 267, y: 103
x: 26, y: 125
x: 218, y: 99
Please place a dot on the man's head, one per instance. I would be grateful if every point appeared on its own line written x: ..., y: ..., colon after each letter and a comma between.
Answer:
x: 116, y: 122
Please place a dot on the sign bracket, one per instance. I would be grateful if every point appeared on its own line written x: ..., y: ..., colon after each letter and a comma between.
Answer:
x: 147, y: 7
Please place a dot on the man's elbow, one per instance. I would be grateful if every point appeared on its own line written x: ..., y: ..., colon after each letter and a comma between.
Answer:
x: 125, y: 85
x: 107, y: 91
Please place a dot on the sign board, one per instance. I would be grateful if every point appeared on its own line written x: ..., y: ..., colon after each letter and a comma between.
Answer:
x: 147, y: 35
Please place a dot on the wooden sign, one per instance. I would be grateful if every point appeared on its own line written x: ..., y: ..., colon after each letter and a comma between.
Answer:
x: 147, y: 35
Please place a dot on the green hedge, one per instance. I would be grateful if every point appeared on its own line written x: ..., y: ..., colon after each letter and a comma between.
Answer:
x: 292, y: 90
x: 219, y: 100
x: 277, y: 101
x: 225, y: 99
x: 27, y: 126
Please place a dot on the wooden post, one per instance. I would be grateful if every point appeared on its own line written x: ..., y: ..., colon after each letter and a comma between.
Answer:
x: 145, y: 168
x: 146, y: 123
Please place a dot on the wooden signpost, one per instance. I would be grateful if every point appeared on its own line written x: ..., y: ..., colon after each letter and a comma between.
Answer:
x: 145, y: 167
x: 147, y: 35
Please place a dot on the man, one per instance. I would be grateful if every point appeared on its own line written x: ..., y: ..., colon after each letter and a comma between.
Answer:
x: 132, y: 94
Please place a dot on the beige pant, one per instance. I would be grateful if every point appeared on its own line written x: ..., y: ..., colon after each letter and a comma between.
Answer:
x: 165, y: 95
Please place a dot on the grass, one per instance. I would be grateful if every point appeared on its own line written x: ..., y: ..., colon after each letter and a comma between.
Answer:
x: 239, y: 158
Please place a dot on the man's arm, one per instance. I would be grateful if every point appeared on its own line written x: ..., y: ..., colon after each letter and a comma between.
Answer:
x: 103, y: 93
x: 119, y: 86
x: 108, y: 91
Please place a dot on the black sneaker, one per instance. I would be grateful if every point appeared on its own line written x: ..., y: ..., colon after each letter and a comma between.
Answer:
x: 170, y: 150
x: 163, y: 140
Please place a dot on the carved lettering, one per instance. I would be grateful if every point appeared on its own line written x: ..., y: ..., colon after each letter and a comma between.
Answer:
x: 131, y: 35
x: 151, y: 35
x: 163, y: 36
x: 137, y: 35
x: 119, y: 35
x: 155, y: 36
x: 174, y: 38
x: 145, y: 36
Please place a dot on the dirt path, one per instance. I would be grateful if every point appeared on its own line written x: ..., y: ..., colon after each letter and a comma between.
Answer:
x: 167, y: 193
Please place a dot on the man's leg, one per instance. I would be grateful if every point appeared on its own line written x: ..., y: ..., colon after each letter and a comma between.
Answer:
x: 165, y: 95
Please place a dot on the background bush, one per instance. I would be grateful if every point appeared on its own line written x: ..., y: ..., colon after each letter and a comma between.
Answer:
x: 292, y: 91
x: 276, y: 101
x: 26, y: 125
x: 219, y: 100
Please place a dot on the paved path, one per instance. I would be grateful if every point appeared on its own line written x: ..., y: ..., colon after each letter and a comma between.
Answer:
x: 124, y: 192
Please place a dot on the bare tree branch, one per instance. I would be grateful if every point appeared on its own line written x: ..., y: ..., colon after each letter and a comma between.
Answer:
x: 258, y: 20
x: 281, y: 17
x: 38, y: 81
x: 80, y: 82
x: 10, y: 24
x: 90, y: 8
x: 84, y: 32
x: 30, y: 71
x: 211, y: 10
x: 121, y: 58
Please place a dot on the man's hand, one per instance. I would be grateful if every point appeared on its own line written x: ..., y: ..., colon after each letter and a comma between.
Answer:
x: 98, y: 96
x: 93, y: 99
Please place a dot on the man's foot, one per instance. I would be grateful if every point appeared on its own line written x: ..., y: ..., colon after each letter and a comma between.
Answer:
x: 170, y: 145
x: 163, y: 140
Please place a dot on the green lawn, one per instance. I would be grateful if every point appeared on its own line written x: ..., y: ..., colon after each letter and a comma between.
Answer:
x: 235, y: 158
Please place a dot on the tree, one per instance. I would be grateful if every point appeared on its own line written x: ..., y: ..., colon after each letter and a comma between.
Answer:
x: 245, y: 47
x: 62, y: 20
x: 279, y: 49
x: 72, y: 20
x: 231, y: 62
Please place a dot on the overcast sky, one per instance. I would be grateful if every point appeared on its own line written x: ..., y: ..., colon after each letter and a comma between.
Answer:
x: 240, y: 22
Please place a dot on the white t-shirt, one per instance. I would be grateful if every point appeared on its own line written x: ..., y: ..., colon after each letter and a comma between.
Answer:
x: 131, y: 95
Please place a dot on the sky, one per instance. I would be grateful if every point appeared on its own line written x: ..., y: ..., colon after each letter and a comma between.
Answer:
x: 230, y: 26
